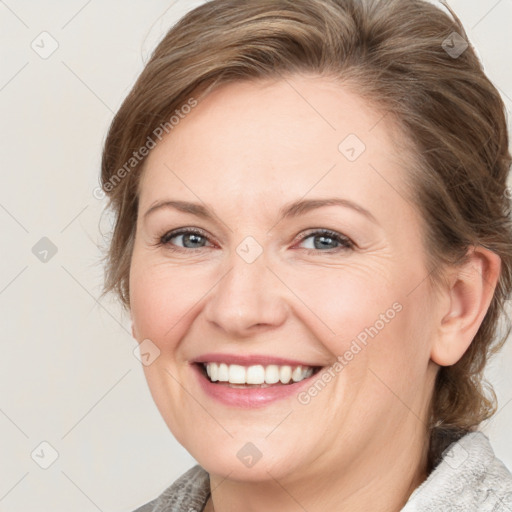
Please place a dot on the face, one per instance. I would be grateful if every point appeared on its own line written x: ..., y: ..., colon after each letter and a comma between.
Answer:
x: 274, y: 232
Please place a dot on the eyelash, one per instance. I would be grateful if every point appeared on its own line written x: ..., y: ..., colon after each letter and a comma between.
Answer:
x: 345, y: 243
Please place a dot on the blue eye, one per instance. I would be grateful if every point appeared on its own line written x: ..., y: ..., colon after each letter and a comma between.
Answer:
x: 190, y: 239
x: 325, y: 239
x: 321, y: 240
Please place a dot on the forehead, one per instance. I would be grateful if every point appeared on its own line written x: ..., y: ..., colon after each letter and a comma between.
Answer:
x: 265, y: 142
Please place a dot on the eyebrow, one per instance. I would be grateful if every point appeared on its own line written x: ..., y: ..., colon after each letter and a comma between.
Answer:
x: 294, y: 209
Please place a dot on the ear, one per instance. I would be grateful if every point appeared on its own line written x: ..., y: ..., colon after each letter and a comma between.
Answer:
x: 468, y: 293
x: 133, y: 331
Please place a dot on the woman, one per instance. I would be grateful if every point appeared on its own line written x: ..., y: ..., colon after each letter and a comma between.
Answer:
x: 314, y: 244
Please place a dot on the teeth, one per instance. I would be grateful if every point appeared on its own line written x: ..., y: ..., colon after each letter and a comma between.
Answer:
x: 256, y: 374
x: 297, y: 374
x: 253, y: 374
x: 223, y: 373
x: 306, y: 373
x: 214, y: 373
x: 271, y: 374
x: 236, y: 374
x: 285, y: 374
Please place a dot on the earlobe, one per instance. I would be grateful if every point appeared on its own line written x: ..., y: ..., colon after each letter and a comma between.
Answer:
x: 469, y: 294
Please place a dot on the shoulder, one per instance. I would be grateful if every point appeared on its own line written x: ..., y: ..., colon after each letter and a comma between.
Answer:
x: 468, y: 478
x: 189, y: 492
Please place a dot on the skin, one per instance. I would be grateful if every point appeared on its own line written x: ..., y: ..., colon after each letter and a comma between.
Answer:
x: 245, y: 151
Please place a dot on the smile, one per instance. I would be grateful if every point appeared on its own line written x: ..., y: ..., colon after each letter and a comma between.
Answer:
x: 251, y: 381
x: 237, y: 375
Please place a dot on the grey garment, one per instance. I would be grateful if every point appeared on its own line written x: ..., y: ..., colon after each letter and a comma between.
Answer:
x: 187, y: 494
x: 469, y: 478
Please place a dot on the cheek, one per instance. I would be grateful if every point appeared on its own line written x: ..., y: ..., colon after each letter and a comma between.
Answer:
x: 370, y: 320
x: 343, y: 301
x: 162, y: 300
x: 399, y: 350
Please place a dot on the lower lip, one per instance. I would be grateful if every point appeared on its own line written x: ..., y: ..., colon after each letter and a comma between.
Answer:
x: 248, y: 397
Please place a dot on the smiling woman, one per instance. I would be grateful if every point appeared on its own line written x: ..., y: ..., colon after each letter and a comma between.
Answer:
x: 320, y: 250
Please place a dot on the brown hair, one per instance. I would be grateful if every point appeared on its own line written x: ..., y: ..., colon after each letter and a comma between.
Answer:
x: 399, y: 54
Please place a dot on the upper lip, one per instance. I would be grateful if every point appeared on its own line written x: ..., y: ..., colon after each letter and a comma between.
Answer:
x: 250, y: 360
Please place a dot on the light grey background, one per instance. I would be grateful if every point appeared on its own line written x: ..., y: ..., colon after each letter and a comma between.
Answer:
x: 68, y: 375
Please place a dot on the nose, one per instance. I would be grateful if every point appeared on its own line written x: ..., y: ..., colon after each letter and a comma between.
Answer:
x: 248, y: 299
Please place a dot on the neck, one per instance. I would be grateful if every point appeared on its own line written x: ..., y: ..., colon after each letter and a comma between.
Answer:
x: 382, y: 483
